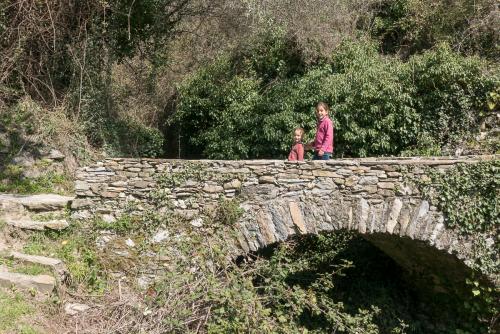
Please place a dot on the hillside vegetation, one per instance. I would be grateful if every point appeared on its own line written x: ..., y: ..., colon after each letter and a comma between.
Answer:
x: 231, y: 79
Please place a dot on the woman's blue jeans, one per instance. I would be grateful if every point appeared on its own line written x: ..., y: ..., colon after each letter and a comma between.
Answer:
x: 325, y: 156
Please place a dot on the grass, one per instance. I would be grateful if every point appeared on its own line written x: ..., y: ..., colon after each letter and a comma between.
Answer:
x: 122, y: 225
x: 13, y: 309
x: 5, y: 261
x: 12, y: 181
x: 76, y: 248
x: 36, y: 247
x: 32, y: 269
x: 24, y: 268
x: 48, y: 216
x: 24, y: 329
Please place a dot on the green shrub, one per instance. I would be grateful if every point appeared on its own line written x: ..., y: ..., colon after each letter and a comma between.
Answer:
x: 216, y: 112
x: 373, y: 104
x: 220, y: 111
x: 380, y: 104
x: 228, y: 212
x: 123, y: 225
x: 450, y: 94
x: 129, y: 138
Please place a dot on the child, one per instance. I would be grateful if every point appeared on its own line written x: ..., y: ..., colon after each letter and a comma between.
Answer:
x: 323, y: 142
x: 297, y: 152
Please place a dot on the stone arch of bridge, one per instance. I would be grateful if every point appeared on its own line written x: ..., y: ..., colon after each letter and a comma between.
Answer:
x: 267, y: 221
x: 408, y: 230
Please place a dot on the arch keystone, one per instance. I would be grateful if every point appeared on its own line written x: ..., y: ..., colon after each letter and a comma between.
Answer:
x: 418, y: 219
x: 364, y: 209
x: 394, y: 215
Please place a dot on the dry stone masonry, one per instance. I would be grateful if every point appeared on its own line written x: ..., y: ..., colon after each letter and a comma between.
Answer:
x: 27, y: 211
x: 30, y: 212
x: 279, y: 198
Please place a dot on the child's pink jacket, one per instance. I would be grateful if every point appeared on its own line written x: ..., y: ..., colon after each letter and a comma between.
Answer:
x: 297, y: 152
x: 324, y: 136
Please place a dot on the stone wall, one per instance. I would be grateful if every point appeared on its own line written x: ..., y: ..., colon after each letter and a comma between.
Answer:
x: 279, y: 198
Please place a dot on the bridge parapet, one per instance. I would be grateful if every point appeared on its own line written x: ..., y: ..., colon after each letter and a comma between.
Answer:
x: 113, y: 183
x: 279, y: 198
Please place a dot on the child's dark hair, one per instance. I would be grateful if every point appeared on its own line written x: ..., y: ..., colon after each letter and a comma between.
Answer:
x: 324, y: 105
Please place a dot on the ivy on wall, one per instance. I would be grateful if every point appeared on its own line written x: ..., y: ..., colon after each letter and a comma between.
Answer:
x: 467, y: 194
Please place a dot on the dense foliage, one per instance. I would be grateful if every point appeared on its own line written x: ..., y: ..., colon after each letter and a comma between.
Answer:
x: 111, y: 69
x: 231, y: 79
x: 381, y: 105
x: 467, y: 195
x: 409, y: 26
x: 61, y: 55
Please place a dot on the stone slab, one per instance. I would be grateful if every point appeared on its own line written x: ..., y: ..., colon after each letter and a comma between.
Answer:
x: 42, y: 283
x: 40, y: 202
x: 26, y: 223
x: 297, y: 218
x: 56, y: 265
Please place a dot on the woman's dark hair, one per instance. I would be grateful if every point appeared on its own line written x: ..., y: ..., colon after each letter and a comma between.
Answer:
x: 324, y: 105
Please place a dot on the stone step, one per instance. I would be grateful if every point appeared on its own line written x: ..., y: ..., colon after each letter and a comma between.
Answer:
x: 56, y: 265
x: 42, y: 283
x: 40, y: 202
x: 27, y: 223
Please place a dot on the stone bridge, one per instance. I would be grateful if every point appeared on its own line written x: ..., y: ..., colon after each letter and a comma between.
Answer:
x: 281, y: 199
